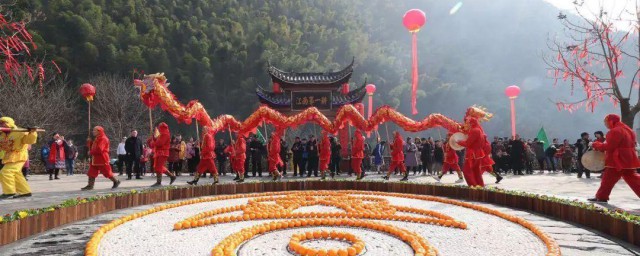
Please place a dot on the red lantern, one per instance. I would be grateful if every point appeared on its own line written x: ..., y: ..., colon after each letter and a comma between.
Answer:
x: 345, y: 88
x: 87, y: 91
x: 276, y: 87
x: 413, y: 20
x: 512, y: 91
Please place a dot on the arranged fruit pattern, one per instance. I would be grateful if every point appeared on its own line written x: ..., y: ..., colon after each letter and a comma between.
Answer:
x: 360, y: 209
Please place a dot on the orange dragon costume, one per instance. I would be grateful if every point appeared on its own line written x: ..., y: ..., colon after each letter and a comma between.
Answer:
x: 15, y: 147
x: 474, y: 153
x: 274, y: 160
x: 207, y: 158
x: 621, y: 159
x: 325, y: 154
x: 357, y: 154
x: 161, y: 145
x: 99, y: 151
x: 397, y: 157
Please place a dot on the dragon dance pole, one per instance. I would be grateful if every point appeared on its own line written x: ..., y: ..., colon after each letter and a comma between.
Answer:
x: 150, y: 123
x: 197, y: 131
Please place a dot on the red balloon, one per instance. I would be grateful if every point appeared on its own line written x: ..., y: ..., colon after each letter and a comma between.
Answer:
x: 87, y: 91
x: 414, y: 19
x: 512, y: 91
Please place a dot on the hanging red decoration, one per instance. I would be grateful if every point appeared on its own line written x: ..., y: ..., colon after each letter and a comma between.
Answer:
x: 371, y: 89
x: 413, y: 20
x: 88, y: 91
x: 345, y: 88
x: 276, y: 87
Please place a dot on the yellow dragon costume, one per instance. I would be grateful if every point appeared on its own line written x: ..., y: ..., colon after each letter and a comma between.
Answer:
x: 15, y: 147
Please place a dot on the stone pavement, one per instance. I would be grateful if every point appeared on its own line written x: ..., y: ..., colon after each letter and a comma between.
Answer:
x: 46, y: 192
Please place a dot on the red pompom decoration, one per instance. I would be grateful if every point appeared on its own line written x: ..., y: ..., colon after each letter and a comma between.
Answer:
x: 88, y: 91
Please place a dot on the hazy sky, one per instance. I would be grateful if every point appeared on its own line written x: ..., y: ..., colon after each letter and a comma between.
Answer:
x: 615, y: 8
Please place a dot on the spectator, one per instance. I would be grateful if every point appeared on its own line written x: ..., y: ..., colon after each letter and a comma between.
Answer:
x: 71, y: 153
x: 567, y: 156
x: 335, y: 156
x: 517, y: 155
x: 410, y: 159
x: 550, y: 160
x: 312, y: 156
x: 146, y: 155
x: 133, y: 149
x: 56, y: 156
x: 297, y: 150
x: 182, y: 154
x: 221, y: 157
x: 426, y: 156
x: 122, y: 155
x: 284, y: 155
x: 191, y: 151
x: 378, y: 155
x: 256, y: 156
x: 538, y: 149
x: 582, y: 146
x: 174, y: 156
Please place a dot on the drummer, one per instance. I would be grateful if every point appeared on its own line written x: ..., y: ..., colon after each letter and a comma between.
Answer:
x: 582, y: 146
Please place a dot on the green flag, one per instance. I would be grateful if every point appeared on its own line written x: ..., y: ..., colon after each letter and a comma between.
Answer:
x: 260, y: 136
x: 542, y: 136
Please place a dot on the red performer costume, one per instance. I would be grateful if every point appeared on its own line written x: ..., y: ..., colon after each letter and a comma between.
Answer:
x: 325, y: 154
x: 397, y: 157
x: 357, y: 154
x: 99, y: 151
x: 621, y: 159
x: 240, y: 155
x: 474, y: 153
x: 450, y: 162
x: 207, y: 158
x: 274, y: 159
x: 161, y: 145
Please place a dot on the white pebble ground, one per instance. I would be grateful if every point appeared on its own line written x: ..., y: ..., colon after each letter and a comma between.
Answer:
x: 486, y: 234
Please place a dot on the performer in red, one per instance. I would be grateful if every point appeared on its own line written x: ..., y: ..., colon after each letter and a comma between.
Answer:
x: 450, y: 161
x: 229, y: 152
x: 240, y: 155
x: 207, y: 158
x: 397, y: 157
x: 325, y: 155
x: 274, y: 159
x: 474, y: 153
x: 357, y: 154
x: 161, y: 145
x: 99, y: 151
x: 621, y: 159
x: 487, y: 161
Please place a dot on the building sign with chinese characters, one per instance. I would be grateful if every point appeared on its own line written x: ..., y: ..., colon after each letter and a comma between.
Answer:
x: 304, y: 100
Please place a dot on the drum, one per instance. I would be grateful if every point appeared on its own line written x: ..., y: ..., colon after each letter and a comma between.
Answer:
x: 453, y: 141
x: 593, y: 160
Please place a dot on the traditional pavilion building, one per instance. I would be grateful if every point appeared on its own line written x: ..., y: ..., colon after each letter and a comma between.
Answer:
x: 293, y: 92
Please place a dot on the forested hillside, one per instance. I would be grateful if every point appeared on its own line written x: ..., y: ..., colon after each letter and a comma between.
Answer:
x: 217, y: 51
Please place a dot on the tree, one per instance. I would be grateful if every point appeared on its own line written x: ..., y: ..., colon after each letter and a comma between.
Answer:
x: 592, y: 58
x: 118, y: 109
x: 53, y: 108
x: 16, y: 44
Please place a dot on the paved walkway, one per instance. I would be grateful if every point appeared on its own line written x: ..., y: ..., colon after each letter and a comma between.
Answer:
x: 46, y: 192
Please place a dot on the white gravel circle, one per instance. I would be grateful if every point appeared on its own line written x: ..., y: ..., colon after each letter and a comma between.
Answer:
x: 486, y: 234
